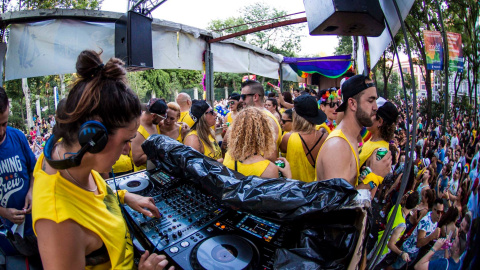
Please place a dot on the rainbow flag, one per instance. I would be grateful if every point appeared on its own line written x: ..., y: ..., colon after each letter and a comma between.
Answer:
x: 366, y: 135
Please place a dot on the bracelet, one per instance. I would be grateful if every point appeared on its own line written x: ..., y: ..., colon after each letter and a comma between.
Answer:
x: 432, y: 249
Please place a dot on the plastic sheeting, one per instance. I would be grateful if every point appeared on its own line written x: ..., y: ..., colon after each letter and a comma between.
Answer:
x: 313, y: 207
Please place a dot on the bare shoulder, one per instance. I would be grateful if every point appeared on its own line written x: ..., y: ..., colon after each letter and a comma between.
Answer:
x: 284, y: 143
x: 271, y: 171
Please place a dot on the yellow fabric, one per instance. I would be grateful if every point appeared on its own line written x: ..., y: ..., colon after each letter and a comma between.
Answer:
x: 256, y: 168
x: 325, y: 126
x: 58, y: 199
x: 185, y: 118
x: 474, y: 132
x: 339, y: 133
x: 279, y: 151
x: 299, y: 165
x: 368, y: 148
x: 282, y: 110
x: 123, y: 164
x: 371, y: 177
x: 217, y: 154
x: 399, y: 219
x: 279, y: 135
x: 229, y: 118
x: 141, y: 129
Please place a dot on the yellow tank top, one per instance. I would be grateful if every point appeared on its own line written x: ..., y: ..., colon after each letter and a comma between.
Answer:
x: 216, y: 154
x: 339, y: 133
x: 185, y: 118
x: 229, y: 118
x: 58, y: 199
x: 301, y: 169
x: 279, y: 135
x: 141, y: 129
x: 256, y: 168
x: 368, y: 148
x: 123, y: 164
x: 179, y: 138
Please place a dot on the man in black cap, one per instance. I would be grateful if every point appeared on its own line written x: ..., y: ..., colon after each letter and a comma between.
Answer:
x: 338, y: 157
x: 252, y: 95
x: 153, y: 114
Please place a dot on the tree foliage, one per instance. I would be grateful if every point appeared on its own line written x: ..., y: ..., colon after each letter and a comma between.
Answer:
x: 345, y: 45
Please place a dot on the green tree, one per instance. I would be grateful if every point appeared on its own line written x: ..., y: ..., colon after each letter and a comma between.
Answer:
x: 228, y: 26
x: 345, y: 45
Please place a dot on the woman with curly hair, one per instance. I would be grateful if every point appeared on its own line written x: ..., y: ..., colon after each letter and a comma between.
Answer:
x: 304, y: 142
x: 171, y: 127
x: 202, y: 136
x: 76, y: 215
x: 329, y: 101
x: 250, y: 137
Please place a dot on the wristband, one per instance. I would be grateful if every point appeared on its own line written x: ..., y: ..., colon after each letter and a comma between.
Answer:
x: 121, y: 194
x: 372, y: 177
x: 432, y: 249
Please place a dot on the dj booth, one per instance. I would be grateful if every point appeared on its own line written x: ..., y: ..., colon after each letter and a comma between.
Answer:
x: 216, y: 218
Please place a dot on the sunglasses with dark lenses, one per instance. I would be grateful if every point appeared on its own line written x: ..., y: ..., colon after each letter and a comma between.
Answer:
x: 244, y: 96
x: 212, y: 112
x: 232, y: 102
x: 285, y: 120
x: 440, y: 212
x: 333, y: 104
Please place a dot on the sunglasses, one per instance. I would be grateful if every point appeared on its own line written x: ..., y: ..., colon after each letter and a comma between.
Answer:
x: 333, y: 104
x: 163, y: 117
x: 231, y: 102
x: 212, y: 112
x: 285, y: 120
x: 440, y: 212
x: 244, y: 96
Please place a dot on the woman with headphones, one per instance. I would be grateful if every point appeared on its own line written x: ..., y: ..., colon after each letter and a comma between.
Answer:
x: 76, y: 215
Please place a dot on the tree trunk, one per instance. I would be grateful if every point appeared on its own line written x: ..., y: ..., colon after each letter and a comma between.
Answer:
x: 62, y: 86
x: 470, y: 89
x: 26, y: 93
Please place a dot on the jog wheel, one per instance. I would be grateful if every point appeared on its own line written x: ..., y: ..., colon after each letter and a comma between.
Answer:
x: 224, y: 252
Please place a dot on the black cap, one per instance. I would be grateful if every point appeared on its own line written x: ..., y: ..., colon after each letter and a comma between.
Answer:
x: 387, y: 111
x: 199, y: 108
x: 306, y: 107
x: 351, y: 87
x: 234, y: 96
x: 157, y: 106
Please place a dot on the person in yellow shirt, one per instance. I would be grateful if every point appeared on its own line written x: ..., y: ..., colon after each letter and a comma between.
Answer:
x: 76, y: 215
x: 233, y: 106
x: 329, y: 102
x: 185, y: 102
x: 304, y: 142
x: 153, y: 114
x: 172, y: 128
x: 250, y: 136
x: 202, y: 137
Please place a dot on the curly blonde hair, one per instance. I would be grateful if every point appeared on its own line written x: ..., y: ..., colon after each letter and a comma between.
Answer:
x: 251, y: 133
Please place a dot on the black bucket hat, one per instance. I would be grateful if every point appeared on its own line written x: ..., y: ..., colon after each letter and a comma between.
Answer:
x: 306, y: 106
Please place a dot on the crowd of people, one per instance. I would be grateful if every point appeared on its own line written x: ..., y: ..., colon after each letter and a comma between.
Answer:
x: 308, y: 135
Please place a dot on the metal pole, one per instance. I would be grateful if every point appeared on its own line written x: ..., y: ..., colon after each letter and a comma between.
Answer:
x: 445, y: 66
x: 280, y: 71
x: 210, y: 97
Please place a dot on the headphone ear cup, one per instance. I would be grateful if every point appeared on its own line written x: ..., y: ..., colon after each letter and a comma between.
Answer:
x: 95, y: 134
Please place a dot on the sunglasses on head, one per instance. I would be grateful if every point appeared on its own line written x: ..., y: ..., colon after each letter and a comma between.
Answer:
x: 333, y: 104
x: 244, y: 96
x: 285, y: 120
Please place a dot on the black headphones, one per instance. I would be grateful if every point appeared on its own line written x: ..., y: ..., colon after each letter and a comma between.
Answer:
x: 93, y: 138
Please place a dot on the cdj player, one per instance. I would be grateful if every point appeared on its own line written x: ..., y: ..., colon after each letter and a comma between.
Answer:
x: 195, y: 231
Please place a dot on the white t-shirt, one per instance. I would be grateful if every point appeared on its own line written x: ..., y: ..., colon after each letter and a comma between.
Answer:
x: 453, y: 186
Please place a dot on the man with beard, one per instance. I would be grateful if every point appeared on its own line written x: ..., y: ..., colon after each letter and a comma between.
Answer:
x: 153, y: 115
x: 338, y: 157
x: 16, y: 182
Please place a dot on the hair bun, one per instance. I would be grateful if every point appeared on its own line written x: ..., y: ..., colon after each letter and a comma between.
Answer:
x: 87, y: 64
x: 114, y: 69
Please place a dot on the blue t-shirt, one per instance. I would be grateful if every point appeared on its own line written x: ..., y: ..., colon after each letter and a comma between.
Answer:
x: 16, y: 163
x: 443, y: 264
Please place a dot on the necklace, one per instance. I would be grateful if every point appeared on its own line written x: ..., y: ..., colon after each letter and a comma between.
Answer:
x: 74, y: 180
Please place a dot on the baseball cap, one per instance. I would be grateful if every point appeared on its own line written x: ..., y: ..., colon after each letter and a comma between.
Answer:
x: 157, y: 106
x: 351, y: 87
x: 387, y: 110
x: 199, y: 108
x: 234, y: 96
x: 306, y: 107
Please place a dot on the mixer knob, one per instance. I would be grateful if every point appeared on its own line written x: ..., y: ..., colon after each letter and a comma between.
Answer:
x: 179, y: 233
x: 189, y: 219
x: 174, y: 236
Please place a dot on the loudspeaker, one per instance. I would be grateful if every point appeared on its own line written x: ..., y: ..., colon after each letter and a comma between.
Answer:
x: 344, y: 17
x: 133, y: 41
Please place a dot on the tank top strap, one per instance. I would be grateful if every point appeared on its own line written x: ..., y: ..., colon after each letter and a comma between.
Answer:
x: 339, y: 133
x: 309, y: 150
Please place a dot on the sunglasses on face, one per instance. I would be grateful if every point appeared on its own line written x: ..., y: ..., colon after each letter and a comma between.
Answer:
x: 212, y: 112
x: 163, y: 117
x: 232, y: 103
x: 244, y: 96
x: 333, y: 104
x: 285, y: 120
x: 439, y: 212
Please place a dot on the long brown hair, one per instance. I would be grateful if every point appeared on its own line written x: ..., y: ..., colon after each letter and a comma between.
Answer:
x: 204, y: 131
x: 100, y: 93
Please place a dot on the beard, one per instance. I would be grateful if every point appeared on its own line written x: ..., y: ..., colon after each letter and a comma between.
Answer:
x: 363, y: 118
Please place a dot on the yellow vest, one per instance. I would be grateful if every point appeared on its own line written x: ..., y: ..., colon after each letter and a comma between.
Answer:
x: 324, y: 125
x: 368, y: 148
x: 217, y: 154
x: 279, y: 135
x: 339, y: 133
x: 185, y: 118
x: 123, y: 164
x: 256, y: 168
x: 141, y: 129
x: 299, y: 165
x: 58, y: 200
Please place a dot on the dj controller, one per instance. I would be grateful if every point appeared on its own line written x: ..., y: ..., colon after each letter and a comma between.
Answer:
x: 195, y: 231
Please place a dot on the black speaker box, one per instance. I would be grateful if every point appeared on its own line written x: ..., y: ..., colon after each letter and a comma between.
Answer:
x: 133, y: 41
x: 344, y: 17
